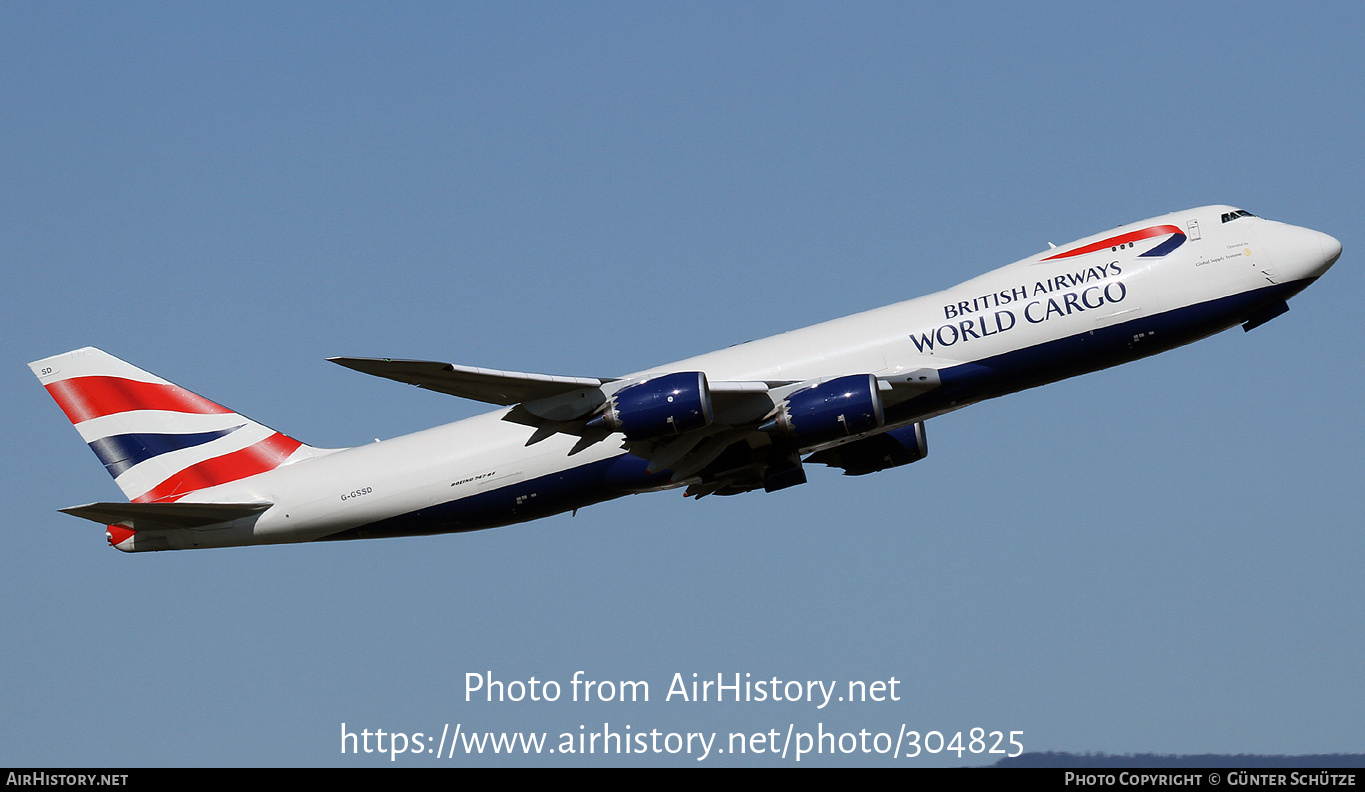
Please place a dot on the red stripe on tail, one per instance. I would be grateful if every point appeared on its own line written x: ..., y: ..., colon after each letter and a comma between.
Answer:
x: 83, y: 398
x: 268, y: 454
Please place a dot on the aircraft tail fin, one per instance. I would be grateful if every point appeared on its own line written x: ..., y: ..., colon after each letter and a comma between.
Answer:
x: 160, y: 442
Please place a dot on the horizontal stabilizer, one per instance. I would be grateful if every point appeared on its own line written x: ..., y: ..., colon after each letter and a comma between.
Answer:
x: 153, y: 516
x: 480, y: 384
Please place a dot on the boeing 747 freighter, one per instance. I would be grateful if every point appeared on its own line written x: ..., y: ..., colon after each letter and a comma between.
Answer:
x: 853, y: 393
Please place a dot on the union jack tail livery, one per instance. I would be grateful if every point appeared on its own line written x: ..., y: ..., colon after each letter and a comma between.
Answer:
x: 159, y: 441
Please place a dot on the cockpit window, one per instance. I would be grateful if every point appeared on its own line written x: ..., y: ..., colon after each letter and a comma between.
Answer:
x: 1228, y: 217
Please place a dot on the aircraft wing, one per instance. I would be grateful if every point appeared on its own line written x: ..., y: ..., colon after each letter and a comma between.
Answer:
x: 725, y: 435
x: 480, y: 384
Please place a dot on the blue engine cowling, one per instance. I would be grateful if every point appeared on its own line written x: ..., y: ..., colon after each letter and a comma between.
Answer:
x: 836, y: 408
x: 661, y: 407
x: 879, y: 452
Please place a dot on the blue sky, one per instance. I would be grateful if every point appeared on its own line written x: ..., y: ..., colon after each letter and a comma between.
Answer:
x: 1161, y: 557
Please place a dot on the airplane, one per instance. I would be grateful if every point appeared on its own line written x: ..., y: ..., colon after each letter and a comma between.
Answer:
x: 853, y: 394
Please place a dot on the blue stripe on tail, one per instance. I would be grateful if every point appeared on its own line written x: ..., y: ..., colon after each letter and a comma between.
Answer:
x: 120, y: 452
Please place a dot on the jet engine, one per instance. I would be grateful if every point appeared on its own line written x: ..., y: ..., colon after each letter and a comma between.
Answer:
x: 660, y: 407
x: 879, y: 452
x: 836, y: 408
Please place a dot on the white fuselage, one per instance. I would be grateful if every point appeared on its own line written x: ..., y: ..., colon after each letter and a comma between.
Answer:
x: 1049, y: 316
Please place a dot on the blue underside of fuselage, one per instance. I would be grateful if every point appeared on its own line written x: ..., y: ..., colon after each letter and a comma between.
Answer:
x: 584, y: 485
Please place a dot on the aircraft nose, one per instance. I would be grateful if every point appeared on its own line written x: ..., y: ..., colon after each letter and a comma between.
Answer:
x: 1331, y: 251
x: 1301, y: 253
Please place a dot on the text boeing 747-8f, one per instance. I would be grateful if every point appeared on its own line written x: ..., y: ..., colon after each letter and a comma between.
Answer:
x: 852, y: 393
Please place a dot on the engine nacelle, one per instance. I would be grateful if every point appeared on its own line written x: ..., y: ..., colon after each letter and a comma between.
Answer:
x: 879, y: 452
x: 661, y: 407
x: 840, y: 407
